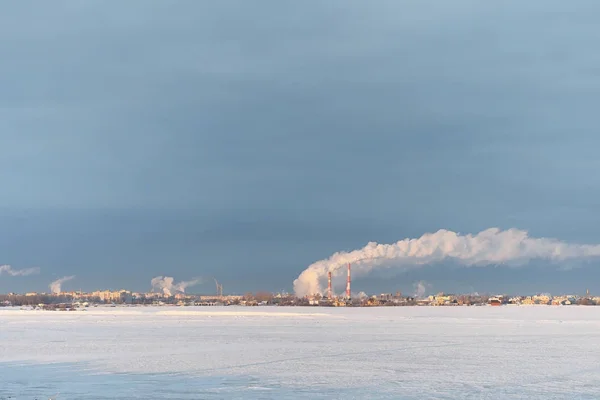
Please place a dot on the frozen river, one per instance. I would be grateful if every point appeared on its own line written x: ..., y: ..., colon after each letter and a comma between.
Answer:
x: 308, y: 353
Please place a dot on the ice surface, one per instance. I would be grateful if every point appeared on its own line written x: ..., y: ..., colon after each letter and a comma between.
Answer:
x: 395, y: 352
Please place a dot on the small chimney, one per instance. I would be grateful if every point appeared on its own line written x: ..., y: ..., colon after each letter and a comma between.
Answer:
x: 329, y: 285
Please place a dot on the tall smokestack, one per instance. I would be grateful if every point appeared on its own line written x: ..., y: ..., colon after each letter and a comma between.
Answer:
x: 329, y: 285
x: 348, y: 283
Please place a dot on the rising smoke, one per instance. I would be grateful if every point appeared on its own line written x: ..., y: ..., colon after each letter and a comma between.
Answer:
x: 7, y: 269
x: 420, y: 289
x: 512, y: 247
x: 166, y: 284
x: 56, y: 286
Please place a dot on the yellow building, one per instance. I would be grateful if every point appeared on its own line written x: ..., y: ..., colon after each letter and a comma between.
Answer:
x: 528, y: 301
x: 542, y: 299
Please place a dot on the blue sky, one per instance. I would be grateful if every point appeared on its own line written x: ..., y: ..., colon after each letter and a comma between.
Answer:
x: 246, y: 141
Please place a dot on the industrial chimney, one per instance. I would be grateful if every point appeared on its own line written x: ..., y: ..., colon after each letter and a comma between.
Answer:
x: 329, y: 285
x: 348, y: 283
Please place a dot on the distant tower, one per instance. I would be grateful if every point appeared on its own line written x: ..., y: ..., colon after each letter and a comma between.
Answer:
x: 329, y: 285
x: 348, y: 283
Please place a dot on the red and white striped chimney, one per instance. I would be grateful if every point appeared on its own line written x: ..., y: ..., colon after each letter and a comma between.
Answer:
x: 329, y: 285
x: 348, y: 283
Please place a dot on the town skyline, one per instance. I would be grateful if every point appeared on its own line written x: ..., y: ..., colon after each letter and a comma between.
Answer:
x: 78, y: 300
x: 211, y: 287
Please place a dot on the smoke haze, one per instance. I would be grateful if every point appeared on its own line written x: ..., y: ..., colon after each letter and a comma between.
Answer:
x: 56, y: 286
x: 420, y: 288
x: 167, y: 285
x: 512, y: 247
x: 7, y: 269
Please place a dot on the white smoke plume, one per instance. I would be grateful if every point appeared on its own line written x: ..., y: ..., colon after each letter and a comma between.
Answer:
x: 7, y: 269
x: 362, y: 295
x: 512, y: 247
x: 166, y: 284
x: 56, y: 286
x: 421, y: 288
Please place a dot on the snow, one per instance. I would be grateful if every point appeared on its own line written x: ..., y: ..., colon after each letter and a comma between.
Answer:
x: 275, y: 352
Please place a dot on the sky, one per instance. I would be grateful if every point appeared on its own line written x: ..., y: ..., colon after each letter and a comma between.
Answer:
x: 244, y: 141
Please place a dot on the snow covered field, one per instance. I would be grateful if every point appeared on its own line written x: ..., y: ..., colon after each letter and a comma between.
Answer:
x: 272, y: 353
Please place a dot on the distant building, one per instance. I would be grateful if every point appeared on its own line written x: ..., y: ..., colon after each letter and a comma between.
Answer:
x: 107, y: 296
x: 527, y: 301
x: 542, y: 299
